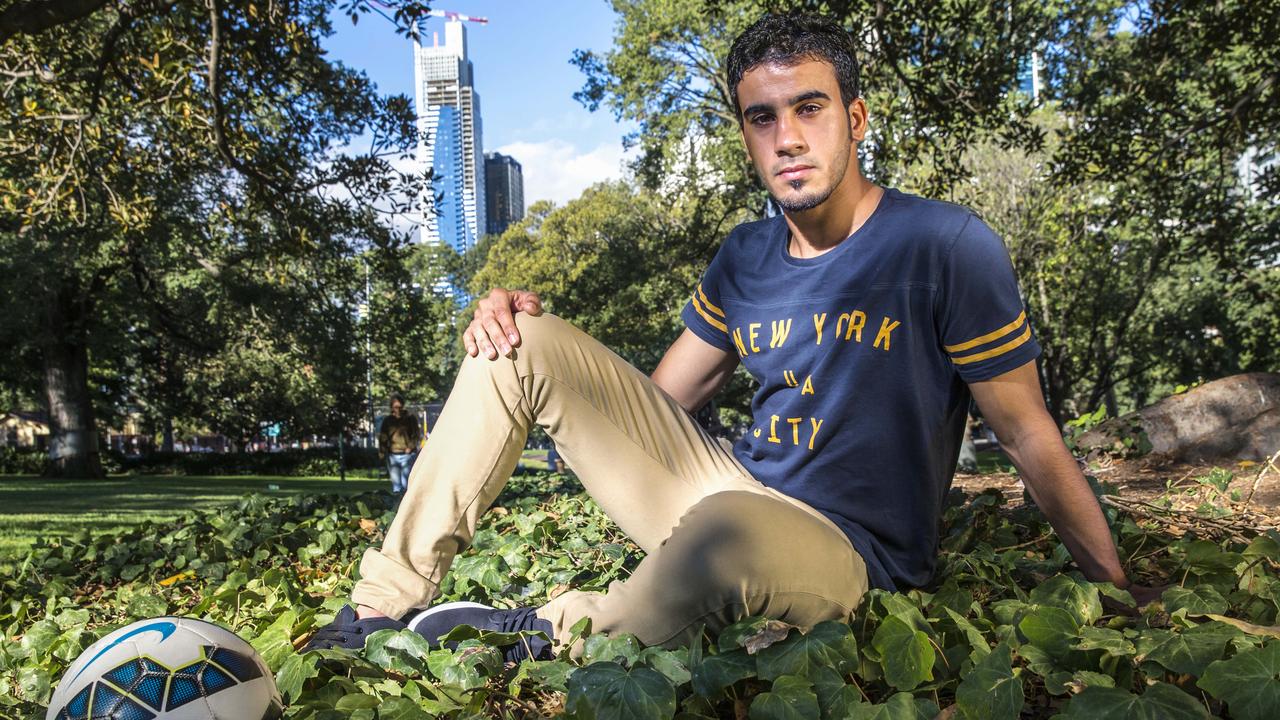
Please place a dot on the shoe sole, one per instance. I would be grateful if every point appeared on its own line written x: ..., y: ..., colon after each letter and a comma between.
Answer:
x: 416, y: 620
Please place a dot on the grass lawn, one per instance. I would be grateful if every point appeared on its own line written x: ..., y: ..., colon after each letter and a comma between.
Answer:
x: 33, y: 507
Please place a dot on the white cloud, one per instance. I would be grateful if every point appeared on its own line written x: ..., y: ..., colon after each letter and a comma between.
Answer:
x: 557, y: 170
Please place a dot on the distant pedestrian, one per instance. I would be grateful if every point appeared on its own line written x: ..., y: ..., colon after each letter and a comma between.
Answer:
x: 399, y: 438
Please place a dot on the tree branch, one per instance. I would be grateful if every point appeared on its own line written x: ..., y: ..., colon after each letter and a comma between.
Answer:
x: 35, y: 16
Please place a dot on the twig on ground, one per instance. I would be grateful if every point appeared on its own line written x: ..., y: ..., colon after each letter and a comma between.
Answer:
x: 1268, y: 465
x: 1216, y: 527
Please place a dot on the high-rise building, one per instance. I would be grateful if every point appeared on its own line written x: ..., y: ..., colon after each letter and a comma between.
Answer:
x: 1030, y: 82
x: 449, y: 139
x: 503, y: 191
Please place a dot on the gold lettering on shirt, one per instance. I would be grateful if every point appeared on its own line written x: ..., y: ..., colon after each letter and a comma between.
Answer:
x: 855, y: 320
x: 773, y: 430
x: 737, y: 340
x: 790, y: 378
x: 795, y: 430
x: 752, y: 335
x: 818, y: 322
x: 886, y: 327
x: 817, y: 425
x: 808, y: 386
x: 779, y: 330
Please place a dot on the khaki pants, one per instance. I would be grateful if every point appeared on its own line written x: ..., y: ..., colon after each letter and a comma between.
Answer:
x: 719, y: 545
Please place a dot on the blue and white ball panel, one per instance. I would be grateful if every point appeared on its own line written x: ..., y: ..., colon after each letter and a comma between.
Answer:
x: 167, y: 668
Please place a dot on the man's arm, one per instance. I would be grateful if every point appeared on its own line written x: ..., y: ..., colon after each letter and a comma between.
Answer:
x: 384, y: 439
x: 1014, y: 406
x: 693, y: 370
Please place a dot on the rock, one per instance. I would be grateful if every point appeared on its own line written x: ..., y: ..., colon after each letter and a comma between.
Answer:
x: 1235, y: 418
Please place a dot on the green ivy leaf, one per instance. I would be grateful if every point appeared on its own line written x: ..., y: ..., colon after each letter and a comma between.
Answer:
x: 1078, y: 597
x: 401, y: 708
x: 1202, y: 599
x: 828, y: 644
x: 622, y: 649
x: 992, y: 690
x: 293, y: 674
x: 608, y: 691
x: 829, y: 686
x: 717, y: 672
x: 401, y: 651
x: 275, y: 643
x: 1051, y: 629
x: 1189, y: 651
x: 462, y: 667
x: 906, y: 653
x: 146, y: 605
x: 1161, y: 701
x: 1113, y: 642
x: 902, y: 706
x: 978, y: 647
x: 670, y: 663
x: 35, y: 683
x: 1248, y: 682
x: 356, y: 702
x: 1207, y: 557
x: 790, y: 698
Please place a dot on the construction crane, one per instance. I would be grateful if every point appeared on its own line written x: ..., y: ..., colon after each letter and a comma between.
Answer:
x: 446, y: 14
x: 450, y: 15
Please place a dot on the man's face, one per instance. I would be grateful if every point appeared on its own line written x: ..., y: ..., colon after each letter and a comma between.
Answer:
x: 797, y: 131
x: 396, y: 407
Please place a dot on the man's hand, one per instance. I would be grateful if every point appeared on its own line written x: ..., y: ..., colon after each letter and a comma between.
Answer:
x: 1142, y: 596
x: 493, y: 330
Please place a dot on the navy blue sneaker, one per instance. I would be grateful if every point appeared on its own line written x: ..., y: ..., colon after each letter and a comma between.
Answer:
x: 347, y: 631
x: 435, y: 622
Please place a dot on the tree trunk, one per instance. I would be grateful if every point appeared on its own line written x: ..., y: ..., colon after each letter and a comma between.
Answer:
x: 73, y: 440
x: 167, y: 445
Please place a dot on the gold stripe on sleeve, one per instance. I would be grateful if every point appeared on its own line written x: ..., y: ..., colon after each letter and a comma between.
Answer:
x: 707, y: 303
x: 993, y: 352
x: 982, y: 339
x: 709, y: 318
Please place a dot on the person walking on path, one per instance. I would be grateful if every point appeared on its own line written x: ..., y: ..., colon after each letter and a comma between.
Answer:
x: 399, y: 438
x: 868, y: 316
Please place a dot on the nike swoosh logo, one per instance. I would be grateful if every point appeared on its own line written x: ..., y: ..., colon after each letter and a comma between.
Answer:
x: 164, y: 628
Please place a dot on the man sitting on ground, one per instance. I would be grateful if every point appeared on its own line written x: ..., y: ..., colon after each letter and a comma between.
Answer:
x: 868, y: 317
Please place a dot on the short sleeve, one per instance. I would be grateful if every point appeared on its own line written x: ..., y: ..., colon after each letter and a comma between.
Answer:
x: 984, y: 326
x: 704, y: 313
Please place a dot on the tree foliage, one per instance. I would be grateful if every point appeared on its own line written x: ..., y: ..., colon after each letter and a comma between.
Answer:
x: 183, y: 191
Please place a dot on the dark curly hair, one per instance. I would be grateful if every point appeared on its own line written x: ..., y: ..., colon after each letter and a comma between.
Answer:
x: 790, y: 39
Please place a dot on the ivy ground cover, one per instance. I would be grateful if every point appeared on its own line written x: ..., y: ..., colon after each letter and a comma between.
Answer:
x: 1007, y: 632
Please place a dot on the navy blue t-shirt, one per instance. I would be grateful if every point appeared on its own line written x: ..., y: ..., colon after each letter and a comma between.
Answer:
x: 863, y: 354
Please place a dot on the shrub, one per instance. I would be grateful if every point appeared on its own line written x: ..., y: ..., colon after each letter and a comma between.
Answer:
x: 21, y: 461
x: 297, y: 463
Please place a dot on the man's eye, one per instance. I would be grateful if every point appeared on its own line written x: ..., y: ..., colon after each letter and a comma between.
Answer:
x: 761, y: 119
x: 809, y: 109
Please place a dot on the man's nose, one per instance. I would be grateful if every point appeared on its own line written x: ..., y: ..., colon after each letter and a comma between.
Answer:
x: 789, y: 140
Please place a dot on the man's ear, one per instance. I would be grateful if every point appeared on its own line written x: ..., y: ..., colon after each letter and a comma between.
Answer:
x: 858, y: 120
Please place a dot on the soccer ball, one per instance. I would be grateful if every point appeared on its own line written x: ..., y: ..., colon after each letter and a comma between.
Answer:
x: 167, y: 668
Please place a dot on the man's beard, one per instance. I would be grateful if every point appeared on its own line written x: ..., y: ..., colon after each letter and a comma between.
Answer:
x: 814, y: 198
x: 806, y: 201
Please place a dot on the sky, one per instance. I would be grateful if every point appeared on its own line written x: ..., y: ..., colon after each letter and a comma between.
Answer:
x: 524, y: 79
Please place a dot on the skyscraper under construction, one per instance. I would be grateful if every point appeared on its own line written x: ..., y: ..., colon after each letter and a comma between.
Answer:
x: 449, y: 141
